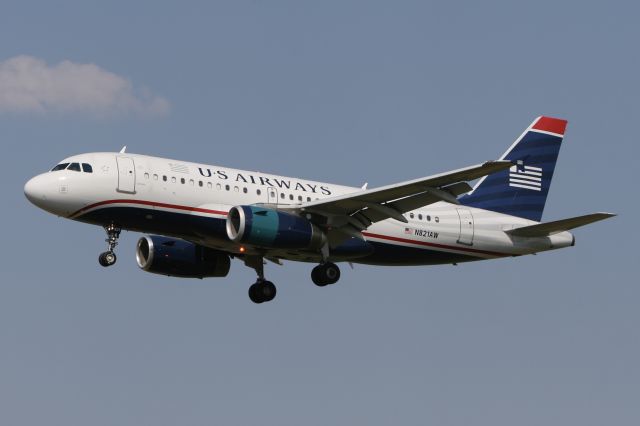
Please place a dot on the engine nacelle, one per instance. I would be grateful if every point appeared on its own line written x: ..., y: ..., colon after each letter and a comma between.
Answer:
x: 269, y: 228
x: 179, y: 258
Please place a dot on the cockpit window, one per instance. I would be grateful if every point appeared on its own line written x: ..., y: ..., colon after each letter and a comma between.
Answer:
x: 60, y: 166
x: 87, y: 168
x: 74, y: 166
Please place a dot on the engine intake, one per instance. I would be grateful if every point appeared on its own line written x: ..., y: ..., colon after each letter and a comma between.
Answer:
x: 269, y: 228
x: 179, y: 258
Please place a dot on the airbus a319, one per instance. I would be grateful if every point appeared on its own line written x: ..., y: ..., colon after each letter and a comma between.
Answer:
x: 201, y: 216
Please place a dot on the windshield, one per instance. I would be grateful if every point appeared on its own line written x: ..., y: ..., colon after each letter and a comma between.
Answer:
x: 60, y: 166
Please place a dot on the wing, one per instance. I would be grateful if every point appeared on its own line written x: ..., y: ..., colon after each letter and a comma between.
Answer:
x: 362, y: 208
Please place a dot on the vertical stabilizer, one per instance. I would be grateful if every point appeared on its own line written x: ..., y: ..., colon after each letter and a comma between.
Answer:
x: 522, y: 190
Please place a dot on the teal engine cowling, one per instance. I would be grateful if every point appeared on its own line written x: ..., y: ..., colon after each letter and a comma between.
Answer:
x: 270, y: 228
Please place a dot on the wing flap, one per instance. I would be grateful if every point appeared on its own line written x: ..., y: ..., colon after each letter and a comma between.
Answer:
x: 430, y: 196
x: 550, y: 228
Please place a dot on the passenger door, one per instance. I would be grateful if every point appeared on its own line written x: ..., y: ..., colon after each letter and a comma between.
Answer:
x: 126, y: 175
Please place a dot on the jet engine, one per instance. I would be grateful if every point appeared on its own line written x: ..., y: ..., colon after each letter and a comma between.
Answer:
x: 179, y: 258
x: 269, y: 228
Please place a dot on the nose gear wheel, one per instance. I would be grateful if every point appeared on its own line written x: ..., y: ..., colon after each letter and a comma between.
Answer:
x: 108, y: 257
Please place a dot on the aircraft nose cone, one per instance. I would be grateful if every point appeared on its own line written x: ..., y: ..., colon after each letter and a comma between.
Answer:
x: 34, y: 191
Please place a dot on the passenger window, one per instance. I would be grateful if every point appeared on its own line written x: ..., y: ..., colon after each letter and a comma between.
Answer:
x: 227, y: 187
x: 173, y: 179
x: 244, y: 189
x: 411, y: 215
x: 155, y: 177
x: 146, y: 175
x: 74, y: 166
x: 258, y: 192
x: 282, y: 195
x: 60, y: 166
x: 300, y: 198
x: 291, y: 197
x: 87, y: 168
x: 308, y: 198
x: 437, y: 219
x: 164, y: 178
x: 209, y: 185
x: 420, y: 216
x: 182, y: 181
x: 428, y: 218
x: 273, y: 194
x: 200, y: 183
x: 218, y: 187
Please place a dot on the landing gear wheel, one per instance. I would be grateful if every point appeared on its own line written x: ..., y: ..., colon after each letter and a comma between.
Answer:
x: 268, y: 291
x: 324, y: 274
x: 254, y: 293
x: 107, y: 258
x: 262, y: 291
x: 316, y: 276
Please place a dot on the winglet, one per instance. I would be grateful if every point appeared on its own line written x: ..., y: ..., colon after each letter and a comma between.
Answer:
x: 551, y: 125
x: 123, y: 150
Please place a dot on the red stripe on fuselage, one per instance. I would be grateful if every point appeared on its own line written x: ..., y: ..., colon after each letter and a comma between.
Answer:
x: 224, y: 213
x: 149, y: 203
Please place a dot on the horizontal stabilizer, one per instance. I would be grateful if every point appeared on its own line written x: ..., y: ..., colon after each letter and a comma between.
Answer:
x: 549, y: 228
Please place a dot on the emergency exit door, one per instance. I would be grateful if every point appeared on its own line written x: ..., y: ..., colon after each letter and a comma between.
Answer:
x: 126, y: 175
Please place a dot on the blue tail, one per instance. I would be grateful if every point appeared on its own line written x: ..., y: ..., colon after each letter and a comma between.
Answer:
x: 522, y: 190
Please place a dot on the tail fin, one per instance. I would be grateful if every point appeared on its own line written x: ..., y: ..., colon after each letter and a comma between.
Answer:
x: 522, y: 190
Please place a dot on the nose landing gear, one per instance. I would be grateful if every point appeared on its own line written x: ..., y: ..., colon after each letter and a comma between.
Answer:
x: 108, y: 257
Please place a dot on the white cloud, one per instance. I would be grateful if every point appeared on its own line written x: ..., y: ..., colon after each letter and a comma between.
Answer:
x: 28, y: 84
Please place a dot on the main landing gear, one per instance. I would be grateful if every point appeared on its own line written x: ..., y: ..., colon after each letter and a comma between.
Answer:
x: 325, y: 274
x: 262, y: 290
x: 108, y: 258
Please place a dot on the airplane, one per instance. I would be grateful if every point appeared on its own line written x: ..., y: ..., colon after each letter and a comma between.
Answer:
x: 201, y: 216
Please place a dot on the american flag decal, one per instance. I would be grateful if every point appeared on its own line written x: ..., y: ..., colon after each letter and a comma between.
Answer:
x: 408, y: 231
x: 527, y: 177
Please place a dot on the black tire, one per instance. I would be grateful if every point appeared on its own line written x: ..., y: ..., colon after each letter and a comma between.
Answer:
x: 317, y: 276
x: 268, y: 291
x: 255, y: 294
x: 325, y: 274
x: 107, y: 258
x: 331, y: 273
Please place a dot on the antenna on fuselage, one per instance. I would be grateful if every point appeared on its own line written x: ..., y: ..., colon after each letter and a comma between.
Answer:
x: 123, y: 150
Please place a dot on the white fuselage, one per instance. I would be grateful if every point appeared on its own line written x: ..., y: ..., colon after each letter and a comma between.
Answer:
x: 190, y: 201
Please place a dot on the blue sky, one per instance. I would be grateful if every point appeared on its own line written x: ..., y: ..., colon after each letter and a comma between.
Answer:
x: 345, y: 92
